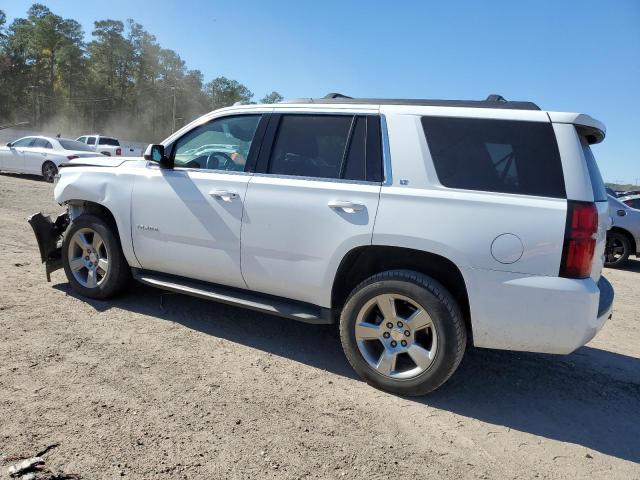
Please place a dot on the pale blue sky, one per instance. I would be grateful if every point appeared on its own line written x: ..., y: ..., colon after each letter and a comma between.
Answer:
x: 564, y: 55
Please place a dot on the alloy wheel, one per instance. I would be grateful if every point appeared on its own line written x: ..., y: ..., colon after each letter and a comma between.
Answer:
x: 49, y: 171
x: 615, y: 250
x: 396, y: 336
x: 88, y: 258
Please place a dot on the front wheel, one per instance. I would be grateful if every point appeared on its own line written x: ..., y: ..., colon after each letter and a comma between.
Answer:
x: 49, y: 171
x: 92, y: 258
x: 617, y: 250
x: 403, y: 332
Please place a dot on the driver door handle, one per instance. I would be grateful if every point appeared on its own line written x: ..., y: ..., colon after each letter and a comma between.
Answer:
x: 224, y: 195
x: 346, y: 206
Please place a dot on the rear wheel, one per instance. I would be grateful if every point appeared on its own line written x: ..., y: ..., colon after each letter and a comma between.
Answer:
x: 49, y: 171
x: 617, y: 250
x: 403, y: 332
x: 92, y: 258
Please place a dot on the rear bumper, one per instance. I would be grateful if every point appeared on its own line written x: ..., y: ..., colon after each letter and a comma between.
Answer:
x: 537, y: 314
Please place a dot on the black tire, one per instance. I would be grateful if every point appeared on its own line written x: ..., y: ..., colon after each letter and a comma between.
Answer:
x: 49, y: 171
x: 617, y: 250
x: 445, y: 315
x: 118, y: 272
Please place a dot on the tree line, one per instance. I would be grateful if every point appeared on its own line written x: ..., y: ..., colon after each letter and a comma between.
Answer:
x: 121, y: 82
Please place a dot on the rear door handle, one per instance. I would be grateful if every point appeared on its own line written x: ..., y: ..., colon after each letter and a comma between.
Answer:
x: 346, y: 206
x: 224, y: 195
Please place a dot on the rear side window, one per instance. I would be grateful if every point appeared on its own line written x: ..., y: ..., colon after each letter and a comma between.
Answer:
x: 310, y: 145
x: 108, y: 141
x: 325, y: 146
x: 41, y: 143
x: 495, y: 155
x: 597, y: 184
x: 633, y: 203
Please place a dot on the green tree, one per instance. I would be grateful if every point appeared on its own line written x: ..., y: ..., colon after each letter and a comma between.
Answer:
x: 122, y: 82
x: 273, y: 97
x: 224, y: 92
x: 37, y: 48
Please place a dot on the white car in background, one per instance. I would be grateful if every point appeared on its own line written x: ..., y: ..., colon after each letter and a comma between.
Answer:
x: 41, y: 155
x: 105, y: 145
x: 623, y: 239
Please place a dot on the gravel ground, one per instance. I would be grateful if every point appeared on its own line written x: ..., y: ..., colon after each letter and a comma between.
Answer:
x: 167, y: 386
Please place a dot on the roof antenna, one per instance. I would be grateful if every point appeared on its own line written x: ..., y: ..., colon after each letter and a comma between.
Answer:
x: 496, y: 98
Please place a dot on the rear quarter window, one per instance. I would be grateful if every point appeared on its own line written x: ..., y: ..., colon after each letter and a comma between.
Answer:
x: 490, y: 155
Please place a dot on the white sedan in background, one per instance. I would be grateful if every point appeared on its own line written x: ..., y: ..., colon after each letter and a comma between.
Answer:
x: 41, y: 155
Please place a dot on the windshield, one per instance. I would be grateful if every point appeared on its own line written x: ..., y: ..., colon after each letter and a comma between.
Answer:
x: 108, y: 141
x: 74, y: 145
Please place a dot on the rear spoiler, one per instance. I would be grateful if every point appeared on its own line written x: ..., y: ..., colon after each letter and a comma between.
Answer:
x: 594, y: 130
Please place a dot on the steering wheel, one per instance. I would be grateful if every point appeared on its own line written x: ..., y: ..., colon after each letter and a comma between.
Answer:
x: 218, y: 161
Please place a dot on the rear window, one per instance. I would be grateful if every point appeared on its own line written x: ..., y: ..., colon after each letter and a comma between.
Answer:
x: 495, y: 155
x: 74, y: 145
x: 108, y: 141
x: 597, y: 184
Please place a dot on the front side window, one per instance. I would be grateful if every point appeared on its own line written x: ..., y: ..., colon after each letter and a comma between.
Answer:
x: 221, y: 144
x: 23, y: 142
x: 82, y: 139
x: 91, y: 140
x: 495, y: 155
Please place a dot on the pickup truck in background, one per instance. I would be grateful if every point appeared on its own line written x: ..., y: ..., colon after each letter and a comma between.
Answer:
x: 105, y: 145
x: 112, y: 146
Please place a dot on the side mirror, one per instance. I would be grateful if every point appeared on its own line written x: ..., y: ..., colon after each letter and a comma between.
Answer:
x: 9, y: 144
x: 155, y: 153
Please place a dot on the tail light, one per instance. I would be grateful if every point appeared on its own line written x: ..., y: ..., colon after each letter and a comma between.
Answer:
x: 118, y: 151
x: 71, y: 157
x: 579, y: 239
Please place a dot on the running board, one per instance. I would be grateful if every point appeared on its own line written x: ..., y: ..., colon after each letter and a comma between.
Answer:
x: 281, y: 307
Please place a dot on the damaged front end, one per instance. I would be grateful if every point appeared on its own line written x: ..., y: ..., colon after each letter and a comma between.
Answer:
x: 49, y: 236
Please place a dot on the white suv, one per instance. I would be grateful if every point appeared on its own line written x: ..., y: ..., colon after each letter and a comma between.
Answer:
x: 419, y: 226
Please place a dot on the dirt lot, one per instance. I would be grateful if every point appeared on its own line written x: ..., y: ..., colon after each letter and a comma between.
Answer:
x: 152, y: 386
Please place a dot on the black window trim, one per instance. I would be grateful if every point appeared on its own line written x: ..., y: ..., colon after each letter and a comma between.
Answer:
x: 264, y: 157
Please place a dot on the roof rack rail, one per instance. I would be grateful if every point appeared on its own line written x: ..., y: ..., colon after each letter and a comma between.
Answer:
x: 336, y: 95
x: 492, y: 101
x: 496, y: 98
